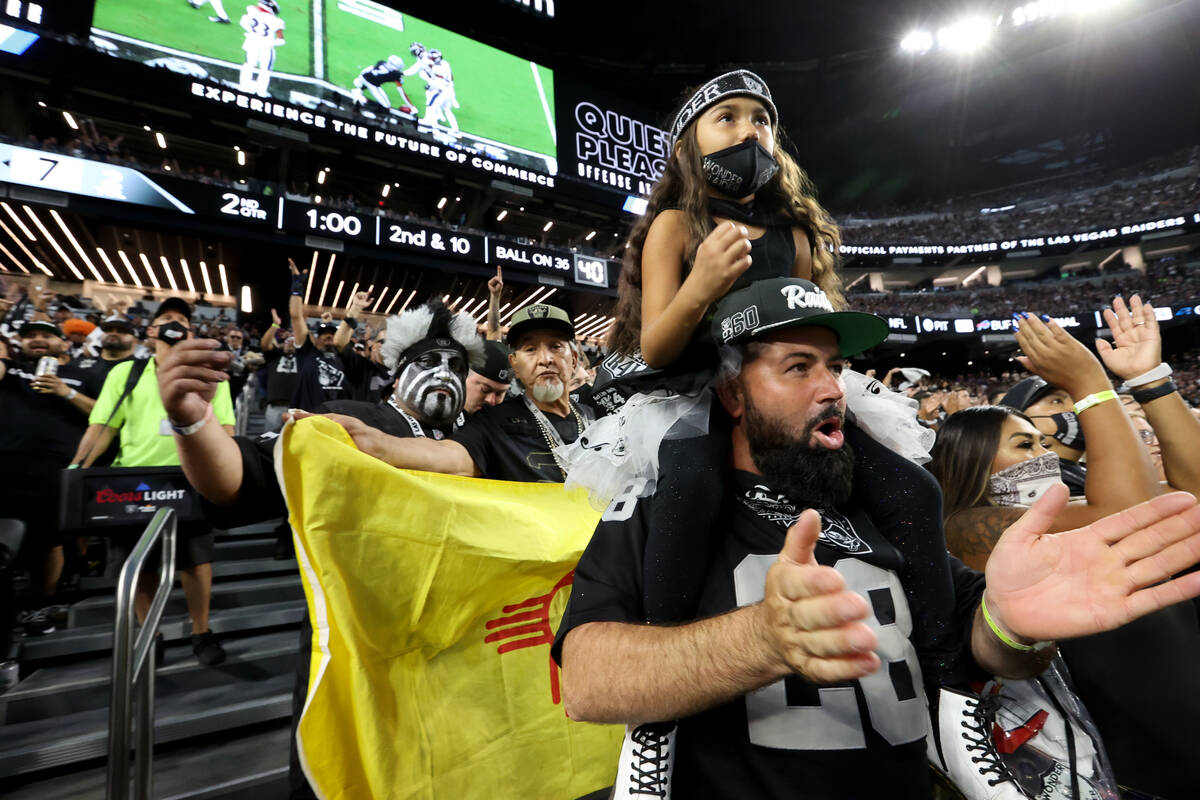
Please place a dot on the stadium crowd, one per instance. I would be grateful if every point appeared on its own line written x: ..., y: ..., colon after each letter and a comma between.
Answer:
x: 771, y: 543
x: 1155, y: 190
x: 1166, y: 282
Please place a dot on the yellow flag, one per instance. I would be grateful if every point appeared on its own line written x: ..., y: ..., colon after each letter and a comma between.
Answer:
x: 434, y: 600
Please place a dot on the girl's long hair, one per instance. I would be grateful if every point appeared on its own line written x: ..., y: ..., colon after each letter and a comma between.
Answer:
x: 790, y: 195
x: 962, y: 457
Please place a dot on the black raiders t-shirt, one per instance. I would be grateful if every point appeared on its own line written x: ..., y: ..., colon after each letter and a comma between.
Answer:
x: 506, y: 442
x: 282, y: 376
x: 44, y: 426
x: 365, y: 380
x: 858, y: 739
x: 322, y: 377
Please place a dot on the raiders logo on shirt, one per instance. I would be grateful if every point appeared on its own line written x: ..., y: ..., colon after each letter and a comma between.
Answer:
x: 836, y: 530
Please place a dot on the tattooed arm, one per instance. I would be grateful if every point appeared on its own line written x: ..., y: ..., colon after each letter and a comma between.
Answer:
x: 973, y: 532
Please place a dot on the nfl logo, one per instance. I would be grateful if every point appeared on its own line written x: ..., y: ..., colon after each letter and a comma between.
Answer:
x: 539, y: 312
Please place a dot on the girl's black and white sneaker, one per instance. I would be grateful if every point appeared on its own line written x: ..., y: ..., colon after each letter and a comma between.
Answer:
x: 960, y: 747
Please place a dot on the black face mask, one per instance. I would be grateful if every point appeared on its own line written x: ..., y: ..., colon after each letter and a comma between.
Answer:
x: 741, y: 170
x: 1067, y: 430
x: 172, y: 333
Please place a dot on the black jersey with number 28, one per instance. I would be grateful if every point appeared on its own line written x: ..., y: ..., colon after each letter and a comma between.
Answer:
x: 791, y: 739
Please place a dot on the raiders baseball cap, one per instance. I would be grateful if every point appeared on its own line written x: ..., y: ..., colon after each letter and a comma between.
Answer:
x: 496, y: 366
x: 326, y: 327
x: 32, y: 326
x: 1025, y: 393
x: 117, y: 323
x: 540, y: 315
x: 173, y: 304
x: 780, y: 303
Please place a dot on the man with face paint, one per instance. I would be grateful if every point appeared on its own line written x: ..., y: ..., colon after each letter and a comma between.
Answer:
x: 428, y: 351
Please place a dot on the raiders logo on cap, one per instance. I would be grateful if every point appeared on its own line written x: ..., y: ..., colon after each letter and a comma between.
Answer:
x: 538, y: 312
x: 504, y: 375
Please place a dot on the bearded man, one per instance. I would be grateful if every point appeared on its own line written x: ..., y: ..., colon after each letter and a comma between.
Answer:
x: 800, y: 669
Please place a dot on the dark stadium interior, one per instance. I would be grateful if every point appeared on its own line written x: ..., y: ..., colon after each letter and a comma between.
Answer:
x: 1056, y: 168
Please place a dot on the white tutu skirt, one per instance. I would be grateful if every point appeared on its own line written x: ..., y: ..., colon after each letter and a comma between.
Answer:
x: 617, y: 455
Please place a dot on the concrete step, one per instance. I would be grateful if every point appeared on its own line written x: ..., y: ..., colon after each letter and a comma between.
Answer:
x: 70, y: 688
x: 248, y: 767
x: 223, y: 570
x: 230, y: 594
x: 77, y: 642
x: 74, y: 738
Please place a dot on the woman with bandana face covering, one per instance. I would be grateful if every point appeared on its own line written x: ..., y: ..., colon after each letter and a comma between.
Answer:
x: 991, y: 459
x: 1138, y: 682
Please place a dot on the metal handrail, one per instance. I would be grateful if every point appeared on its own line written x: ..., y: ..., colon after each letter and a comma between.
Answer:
x: 134, y: 662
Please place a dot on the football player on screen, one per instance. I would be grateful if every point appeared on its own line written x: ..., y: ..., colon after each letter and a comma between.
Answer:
x: 264, y: 32
x: 217, y: 6
x: 373, y: 78
x: 439, y: 87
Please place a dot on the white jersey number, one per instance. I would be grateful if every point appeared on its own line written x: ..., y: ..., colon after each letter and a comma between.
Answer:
x: 835, y: 724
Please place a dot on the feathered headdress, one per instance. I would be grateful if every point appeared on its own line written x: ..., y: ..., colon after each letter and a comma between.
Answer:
x: 425, y: 325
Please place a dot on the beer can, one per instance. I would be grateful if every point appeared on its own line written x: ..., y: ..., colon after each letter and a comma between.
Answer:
x: 47, y: 365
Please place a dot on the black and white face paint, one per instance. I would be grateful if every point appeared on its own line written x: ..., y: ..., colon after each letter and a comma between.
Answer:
x: 432, y: 387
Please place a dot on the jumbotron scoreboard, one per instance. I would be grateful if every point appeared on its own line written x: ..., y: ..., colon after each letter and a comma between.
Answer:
x: 253, y: 210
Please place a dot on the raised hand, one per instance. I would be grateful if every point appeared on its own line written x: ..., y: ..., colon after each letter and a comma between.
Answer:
x: 1045, y: 587
x: 496, y: 284
x: 358, y: 304
x: 188, y: 377
x: 812, y: 621
x: 721, y: 258
x: 292, y: 266
x: 1137, y: 344
x: 1058, y: 358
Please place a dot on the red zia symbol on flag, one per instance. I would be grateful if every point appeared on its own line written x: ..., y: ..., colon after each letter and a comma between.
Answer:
x: 527, y: 624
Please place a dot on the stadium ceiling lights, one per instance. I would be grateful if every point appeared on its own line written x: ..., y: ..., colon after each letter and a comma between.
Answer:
x: 917, y: 42
x: 970, y: 34
x: 500, y: 217
x: 966, y: 35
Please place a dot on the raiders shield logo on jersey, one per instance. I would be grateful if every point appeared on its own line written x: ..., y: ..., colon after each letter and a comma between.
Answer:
x: 839, y: 533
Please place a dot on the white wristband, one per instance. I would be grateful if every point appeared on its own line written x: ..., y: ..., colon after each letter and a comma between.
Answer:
x: 71, y: 395
x: 188, y: 430
x: 1159, y: 372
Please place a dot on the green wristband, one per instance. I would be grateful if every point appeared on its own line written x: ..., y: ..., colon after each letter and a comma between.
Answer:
x: 1004, y: 637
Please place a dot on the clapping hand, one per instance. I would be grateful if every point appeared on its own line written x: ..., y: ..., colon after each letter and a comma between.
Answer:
x: 1137, y: 344
x: 1043, y: 586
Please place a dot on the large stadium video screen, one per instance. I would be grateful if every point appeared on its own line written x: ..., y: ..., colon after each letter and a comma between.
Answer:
x: 353, y: 59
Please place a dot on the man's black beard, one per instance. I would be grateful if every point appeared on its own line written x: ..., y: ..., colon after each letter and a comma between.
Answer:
x: 810, y: 476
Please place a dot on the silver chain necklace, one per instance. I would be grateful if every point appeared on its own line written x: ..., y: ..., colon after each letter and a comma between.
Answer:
x: 549, y: 433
